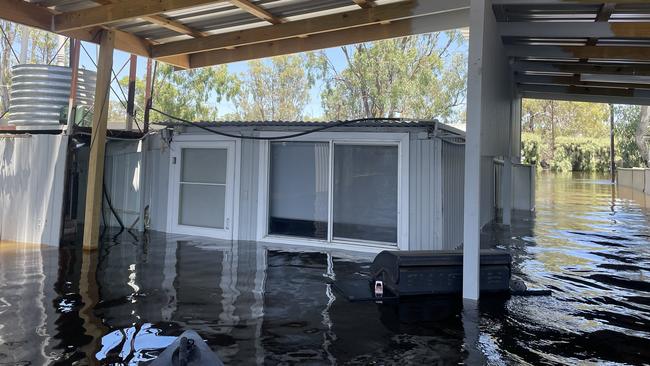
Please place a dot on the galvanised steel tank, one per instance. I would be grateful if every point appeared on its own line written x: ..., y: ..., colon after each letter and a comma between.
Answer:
x: 39, y: 94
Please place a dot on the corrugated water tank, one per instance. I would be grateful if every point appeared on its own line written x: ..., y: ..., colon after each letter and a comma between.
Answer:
x: 39, y: 94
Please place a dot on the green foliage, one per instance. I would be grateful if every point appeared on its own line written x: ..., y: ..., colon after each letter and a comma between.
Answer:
x: 628, y: 153
x: 581, y: 154
x: 530, y: 148
x: 417, y: 77
x: 275, y: 89
x: 571, y: 153
x: 188, y: 94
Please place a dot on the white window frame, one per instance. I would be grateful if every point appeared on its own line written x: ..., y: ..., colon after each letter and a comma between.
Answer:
x: 401, y: 140
x: 232, y: 191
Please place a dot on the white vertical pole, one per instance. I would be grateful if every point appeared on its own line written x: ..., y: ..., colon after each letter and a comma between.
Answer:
x: 506, y: 190
x: 472, y: 204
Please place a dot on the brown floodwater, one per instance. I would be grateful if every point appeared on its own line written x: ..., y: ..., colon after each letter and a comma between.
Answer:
x: 258, y: 304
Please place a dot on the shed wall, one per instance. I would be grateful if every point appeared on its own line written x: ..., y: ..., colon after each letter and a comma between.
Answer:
x: 453, y: 181
x: 32, y: 179
x: 425, y: 221
x: 427, y: 230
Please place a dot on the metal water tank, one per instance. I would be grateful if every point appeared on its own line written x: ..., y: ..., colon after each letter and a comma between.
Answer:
x: 39, y: 94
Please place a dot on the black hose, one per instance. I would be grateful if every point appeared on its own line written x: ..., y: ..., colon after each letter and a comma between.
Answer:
x: 110, y: 205
x: 318, y: 129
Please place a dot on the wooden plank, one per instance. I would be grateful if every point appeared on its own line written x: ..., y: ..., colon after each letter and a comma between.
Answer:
x: 593, y: 95
x: 580, y: 68
x: 578, y: 52
x: 94, y: 197
x: 312, y: 27
x: 174, y: 25
x: 19, y: 11
x: 165, y: 22
x: 120, y: 10
x: 365, y: 3
x: 575, y: 29
x: 576, y: 80
x: 257, y: 11
x: 399, y: 28
x: 25, y: 13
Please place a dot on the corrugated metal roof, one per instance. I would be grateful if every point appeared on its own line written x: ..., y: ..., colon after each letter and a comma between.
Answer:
x: 361, y: 123
x: 214, y: 18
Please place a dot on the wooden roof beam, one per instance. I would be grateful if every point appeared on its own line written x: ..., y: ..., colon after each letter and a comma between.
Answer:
x: 575, y: 29
x: 119, y: 10
x: 257, y: 11
x: 585, y: 94
x: 313, y: 26
x: 39, y: 17
x: 162, y: 21
x: 631, y: 53
x: 577, y: 81
x: 365, y: 3
x: 398, y: 28
x: 580, y: 68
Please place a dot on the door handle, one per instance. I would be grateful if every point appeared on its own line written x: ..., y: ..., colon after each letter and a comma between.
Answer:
x: 227, y: 223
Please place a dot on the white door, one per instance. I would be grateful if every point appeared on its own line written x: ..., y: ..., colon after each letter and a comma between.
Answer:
x: 201, y: 190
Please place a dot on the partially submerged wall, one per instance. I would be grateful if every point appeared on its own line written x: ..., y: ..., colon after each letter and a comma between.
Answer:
x: 31, y: 187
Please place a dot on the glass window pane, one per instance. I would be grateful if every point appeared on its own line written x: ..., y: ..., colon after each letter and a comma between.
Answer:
x: 298, y: 189
x: 202, y: 205
x: 365, y: 192
x: 204, y: 165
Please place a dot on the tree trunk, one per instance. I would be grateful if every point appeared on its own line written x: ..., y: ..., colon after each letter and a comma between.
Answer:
x: 552, y: 130
x: 641, y: 133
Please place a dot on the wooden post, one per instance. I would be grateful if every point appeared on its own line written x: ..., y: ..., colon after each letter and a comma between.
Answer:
x: 98, y: 142
x: 611, y: 143
x: 74, y: 63
x: 130, y: 101
x: 147, y: 96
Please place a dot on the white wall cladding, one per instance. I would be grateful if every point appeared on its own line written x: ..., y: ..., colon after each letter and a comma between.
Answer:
x: 31, y: 187
x: 157, y: 180
x: 122, y: 177
x: 249, y: 165
x: 453, y: 194
x: 426, y: 175
x: 425, y: 216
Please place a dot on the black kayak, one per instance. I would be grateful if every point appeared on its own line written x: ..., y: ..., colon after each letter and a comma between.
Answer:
x: 188, y: 349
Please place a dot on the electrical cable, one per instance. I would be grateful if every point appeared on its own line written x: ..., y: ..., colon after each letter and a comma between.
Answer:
x: 114, y: 78
x: 9, y: 44
x: 58, y: 50
x: 270, y: 138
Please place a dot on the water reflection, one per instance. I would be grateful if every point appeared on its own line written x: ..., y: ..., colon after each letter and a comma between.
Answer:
x: 257, y: 304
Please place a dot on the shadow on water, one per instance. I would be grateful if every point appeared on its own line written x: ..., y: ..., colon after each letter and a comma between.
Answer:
x: 258, y: 304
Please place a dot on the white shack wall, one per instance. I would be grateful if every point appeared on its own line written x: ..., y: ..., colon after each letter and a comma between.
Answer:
x: 426, y: 230
x: 425, y: 216
x: 453, y: 182
x: 32, y: 178
x: 157, y: 180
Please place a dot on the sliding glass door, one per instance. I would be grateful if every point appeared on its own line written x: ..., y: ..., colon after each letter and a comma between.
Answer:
x: 342, y: 192
x: 365, y: 193
x: 298, y: 189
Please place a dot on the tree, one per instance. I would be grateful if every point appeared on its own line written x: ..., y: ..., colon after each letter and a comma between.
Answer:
x: 552, y: 119
x: 627, y: 125
x: 189, y: 94
x: 275, y: 89
x: 413, y: 77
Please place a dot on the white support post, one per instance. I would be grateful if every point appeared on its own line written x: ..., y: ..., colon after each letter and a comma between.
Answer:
x: 472, y: 204
x: 506, y: 191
